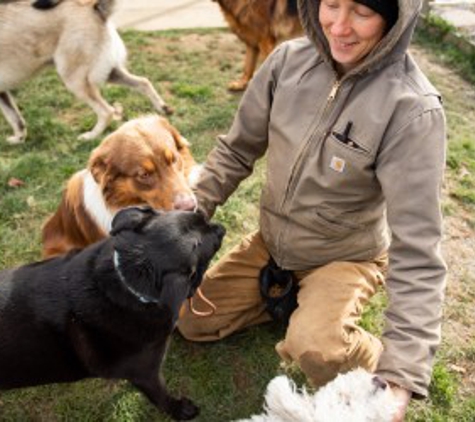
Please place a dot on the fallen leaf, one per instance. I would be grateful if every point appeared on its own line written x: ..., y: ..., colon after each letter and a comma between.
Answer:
x: 31, y: 201
x: 464, y: 172
x: 458, y: 369
x: 15, y: 183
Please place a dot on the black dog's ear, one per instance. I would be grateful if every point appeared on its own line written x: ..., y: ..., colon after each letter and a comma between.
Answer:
x: 174, y: 293
x: 132, y: 218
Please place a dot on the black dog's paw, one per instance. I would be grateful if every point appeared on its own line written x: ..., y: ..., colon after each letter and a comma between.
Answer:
x: 184, y: 410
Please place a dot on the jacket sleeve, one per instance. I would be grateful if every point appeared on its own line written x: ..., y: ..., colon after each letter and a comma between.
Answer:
x: 410, y: 169
x: 232, y: 160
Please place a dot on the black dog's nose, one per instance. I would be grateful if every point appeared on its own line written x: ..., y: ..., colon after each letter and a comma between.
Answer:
x: 379, y: 382
x: 219, y: 230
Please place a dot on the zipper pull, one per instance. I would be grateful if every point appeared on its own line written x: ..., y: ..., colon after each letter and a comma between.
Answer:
x: 334, y: 90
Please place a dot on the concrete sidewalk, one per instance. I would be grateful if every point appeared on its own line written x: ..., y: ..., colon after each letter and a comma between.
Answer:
x: 460, y: 14
x: 152, y: 15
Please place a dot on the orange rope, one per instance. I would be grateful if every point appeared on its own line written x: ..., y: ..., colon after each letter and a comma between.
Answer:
x: 205, y: 300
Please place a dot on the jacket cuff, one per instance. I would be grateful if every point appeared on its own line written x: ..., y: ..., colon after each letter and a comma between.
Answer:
x: 206, y: 209
x: 412, y: 377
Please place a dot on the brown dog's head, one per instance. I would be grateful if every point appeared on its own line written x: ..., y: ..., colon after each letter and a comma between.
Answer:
x: 145, y: 161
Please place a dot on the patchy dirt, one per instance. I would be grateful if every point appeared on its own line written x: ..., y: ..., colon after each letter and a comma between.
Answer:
x: 225, y: 43
x: 459, y: 315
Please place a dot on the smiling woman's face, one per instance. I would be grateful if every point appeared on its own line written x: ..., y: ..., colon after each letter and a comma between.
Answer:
x: 352, y: 31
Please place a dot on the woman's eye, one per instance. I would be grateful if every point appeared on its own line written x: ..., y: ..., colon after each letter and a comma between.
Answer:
x: 364, y: 12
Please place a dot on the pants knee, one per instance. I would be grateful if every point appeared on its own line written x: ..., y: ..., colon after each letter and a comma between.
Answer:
x: 321, y: 357
x: 188, y: 328
x: 329, y: 342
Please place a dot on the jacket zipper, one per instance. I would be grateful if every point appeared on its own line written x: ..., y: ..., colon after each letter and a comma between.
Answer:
x: 334, y: 91
x: 331, y: 97
x: 297, y: 167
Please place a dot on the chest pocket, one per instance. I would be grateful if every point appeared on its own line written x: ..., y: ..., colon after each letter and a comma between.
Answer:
x: 346, y: 161
x: 350, y: 139
x: 348, y: 152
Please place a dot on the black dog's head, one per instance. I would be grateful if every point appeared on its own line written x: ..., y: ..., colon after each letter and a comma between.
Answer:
x: 163, y: 255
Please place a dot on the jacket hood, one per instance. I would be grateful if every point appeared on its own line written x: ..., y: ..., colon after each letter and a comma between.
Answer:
x: 393, y: 45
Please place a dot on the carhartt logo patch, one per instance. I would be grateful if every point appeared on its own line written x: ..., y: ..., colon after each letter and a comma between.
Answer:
x: 337, y: 164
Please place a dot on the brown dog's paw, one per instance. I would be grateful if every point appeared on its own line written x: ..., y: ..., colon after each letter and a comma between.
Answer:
x: 184, y: 410
x: 168, y: 110
x: 118, y: 112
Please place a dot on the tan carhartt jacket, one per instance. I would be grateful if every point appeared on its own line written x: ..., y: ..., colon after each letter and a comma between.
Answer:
x: 354, y: 167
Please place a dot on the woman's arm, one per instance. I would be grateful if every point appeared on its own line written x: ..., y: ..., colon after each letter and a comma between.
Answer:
x: 232, y: 160
x: 410, y: 169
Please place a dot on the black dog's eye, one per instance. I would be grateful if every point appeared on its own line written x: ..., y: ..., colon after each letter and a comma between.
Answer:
x: 192, y: 273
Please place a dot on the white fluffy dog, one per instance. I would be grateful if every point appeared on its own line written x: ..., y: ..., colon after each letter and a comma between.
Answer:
x: 356, y: 396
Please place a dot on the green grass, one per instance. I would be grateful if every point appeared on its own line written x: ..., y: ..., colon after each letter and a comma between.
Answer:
x: 445, y: 41
x: 441, y: 39
x: 227, y: 379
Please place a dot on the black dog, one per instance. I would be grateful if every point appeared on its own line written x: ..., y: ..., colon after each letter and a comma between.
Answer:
x: 106, y: 311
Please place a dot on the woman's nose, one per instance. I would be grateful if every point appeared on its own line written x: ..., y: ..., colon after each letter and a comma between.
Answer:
x: 342, y: 24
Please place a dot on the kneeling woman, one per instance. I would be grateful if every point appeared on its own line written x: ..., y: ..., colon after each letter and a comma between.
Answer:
x: 355, y: 141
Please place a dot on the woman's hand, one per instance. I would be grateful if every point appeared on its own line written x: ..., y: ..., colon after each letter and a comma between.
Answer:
x: 403, y: 396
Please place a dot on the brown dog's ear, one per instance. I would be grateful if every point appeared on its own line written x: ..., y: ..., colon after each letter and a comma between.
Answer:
x: 180, y: 141
x: 182, y: 145
x: 97, y: 165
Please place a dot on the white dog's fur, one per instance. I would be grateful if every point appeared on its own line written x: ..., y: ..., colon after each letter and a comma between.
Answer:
x: 87, y: 51
x: 356, y: 396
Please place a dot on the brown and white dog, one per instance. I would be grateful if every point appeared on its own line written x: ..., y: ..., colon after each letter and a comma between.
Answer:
x: 145, y: 161
x: 261, y: 25
x: 87, y: 51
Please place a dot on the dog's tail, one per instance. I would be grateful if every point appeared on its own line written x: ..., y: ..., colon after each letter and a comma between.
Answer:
x: 103, y: 7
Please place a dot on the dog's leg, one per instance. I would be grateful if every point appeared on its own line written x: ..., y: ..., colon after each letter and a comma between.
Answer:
x: 181, y: 409
x: 91, y: 95
x: 266, y: 46
x: 121, y: 76
x: 145, y: 374
x: 14, y: 118
x: 250, y: 62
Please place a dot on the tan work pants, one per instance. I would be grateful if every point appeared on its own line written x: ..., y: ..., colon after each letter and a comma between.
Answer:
x: 322, y: 337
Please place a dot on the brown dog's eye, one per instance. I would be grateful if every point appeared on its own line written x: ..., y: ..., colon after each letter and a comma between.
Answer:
x: 145, y: 177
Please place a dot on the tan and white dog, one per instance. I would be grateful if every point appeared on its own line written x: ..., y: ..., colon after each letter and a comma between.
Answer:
x: 145, y: 161
x: 78, y: 37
